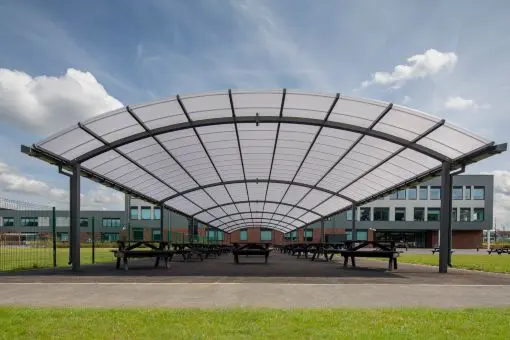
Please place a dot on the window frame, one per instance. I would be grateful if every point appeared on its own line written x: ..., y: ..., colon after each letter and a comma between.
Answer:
x: 433, y: 209
x: 474, y: 213
x: 361, y: 210
x: 463, y: 210
x: 131, y: 213
x: 458, y: 187
x: 142, y: 209
x: 158, y: 209
x: 382, y: 210
x: 415, y: 193
x: 241, y: 233
x: 405, y: 211
x: 7, y: 218
x: 423, y: 189
x: 422, y: 209
x: 31, y: 224
x: 474, y: 193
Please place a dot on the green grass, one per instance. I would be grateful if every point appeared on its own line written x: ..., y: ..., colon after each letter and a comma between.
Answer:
x: 427, y: 324
x: 25, y: 258
x: 483, y: 262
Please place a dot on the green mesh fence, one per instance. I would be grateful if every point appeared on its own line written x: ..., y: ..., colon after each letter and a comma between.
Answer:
x: 26, y: 235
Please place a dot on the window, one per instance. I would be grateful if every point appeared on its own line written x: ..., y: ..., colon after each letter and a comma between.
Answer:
x: 478, y: 214
x: 8, y: 222
x: 361, y: 235
x: 29, y: 222
x: 365, y: 214
x: 146, y: 213
x: 467, y: 193
x: 393, y: 196
x: 457, y: 193
x: 84, y: 222
x: 381, y: 214
x: 157, y: 213
x: 433, y: 214
x: 111, y: 222
x: 349, y: 215
x: 243, y: 235
x: 156, y: 234
x: 133, y: 213
x: 63, y: 236
x: 435, y: 193
x: 266, y: 235
x: 411, y: 193
x: 138, y: 234
x: 308, y: 235
x: 465, y: 214
x: 454, y: 214
x: 424, y: 193
x: 220, y: 235
x: 293, y: 235
x: 419, y: 214
x: 401, y: 194
x: 479, y: 193
x: 400, y: 214
x: 109, y: 237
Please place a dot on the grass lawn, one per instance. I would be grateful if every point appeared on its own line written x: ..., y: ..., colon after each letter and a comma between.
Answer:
x: 23, y: 258
x: 487, y: 263
x: 427, y: 324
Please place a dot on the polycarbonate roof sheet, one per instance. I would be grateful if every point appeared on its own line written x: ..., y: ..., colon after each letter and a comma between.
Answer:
x: 277, y: 159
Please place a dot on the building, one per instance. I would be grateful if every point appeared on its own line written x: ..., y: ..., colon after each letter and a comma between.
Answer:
x: 410, y: 215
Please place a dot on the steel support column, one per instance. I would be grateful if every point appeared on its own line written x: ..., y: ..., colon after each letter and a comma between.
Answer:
x: 354, y: 234
x: 75, y: 217
x: 445, y: 217
x: 161, y: 221
x: 322, y: 231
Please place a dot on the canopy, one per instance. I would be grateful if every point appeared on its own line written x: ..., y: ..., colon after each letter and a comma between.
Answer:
x: 279, y: 159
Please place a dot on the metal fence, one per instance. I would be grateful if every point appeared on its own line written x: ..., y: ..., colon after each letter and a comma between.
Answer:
x: 37, y: 236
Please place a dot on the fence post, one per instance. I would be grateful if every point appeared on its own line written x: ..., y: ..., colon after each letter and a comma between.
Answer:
x: 93, y: 241
x: 54, y: 232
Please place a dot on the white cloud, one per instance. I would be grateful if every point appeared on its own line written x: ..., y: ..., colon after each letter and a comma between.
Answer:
x: 46, y: 104
x: 99, y: 198
x: 459, y: 103
x: 406, y: 100
x: 418, y: 66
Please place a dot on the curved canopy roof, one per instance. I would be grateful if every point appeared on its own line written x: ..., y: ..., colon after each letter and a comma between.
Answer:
x: 278, y: 159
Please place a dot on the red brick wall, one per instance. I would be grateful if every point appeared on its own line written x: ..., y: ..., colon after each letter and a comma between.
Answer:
x: 461, y: 239
x: 254, y: 236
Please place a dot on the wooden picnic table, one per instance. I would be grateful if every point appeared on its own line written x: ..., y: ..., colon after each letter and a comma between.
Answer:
x: 382, y: 249
x: 131, y: 249
x: 249, y: 249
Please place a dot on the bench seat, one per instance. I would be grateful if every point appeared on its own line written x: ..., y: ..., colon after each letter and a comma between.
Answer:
x: 247, y: 252
x: 390, y: 255
x: 124, y: 255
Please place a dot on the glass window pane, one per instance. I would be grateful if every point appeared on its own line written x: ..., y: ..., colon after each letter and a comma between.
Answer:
x: 308, y: 235
x: 419, y: 214
x: 479, y: 193
x: 401, y: 194
x: 457, y: 193
x: 435, y: 193
x: 411, y: 193
x: 393, y: 196
x: 133, y: 213
x: 465, y: 214
x: 349, y: 215
x: 433, y: 214
x: 138, y: 234
x: 400, y: 214
x: 146, y: 213
x: 157, y: 213
x: 243, y: 235
x: 467, y: 193
x: 8, y: 222
x: 365, y: 214
x: 454, y: 214
x: 361, y: 235
x: 266, y: 235
x: 424, y: 193
x: 156, y: 234
x: 84, y: 222
x: 381, y: 214
x: 478, y: 214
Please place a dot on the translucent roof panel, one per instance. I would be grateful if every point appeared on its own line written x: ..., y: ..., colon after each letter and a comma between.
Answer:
x: 271, y: 158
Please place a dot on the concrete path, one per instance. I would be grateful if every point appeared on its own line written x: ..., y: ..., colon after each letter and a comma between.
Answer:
x: 285, y: 282
x: 211, y: 295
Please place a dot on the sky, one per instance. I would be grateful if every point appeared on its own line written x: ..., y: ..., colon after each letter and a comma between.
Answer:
x: 65, y: 61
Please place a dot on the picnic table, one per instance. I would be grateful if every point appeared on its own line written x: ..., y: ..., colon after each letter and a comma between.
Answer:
x: 384, y: 250
x: 436, y: 250
x: 200, y: 250
x: 499, y: 250
x: 157, y: 249
x: 249, y: 249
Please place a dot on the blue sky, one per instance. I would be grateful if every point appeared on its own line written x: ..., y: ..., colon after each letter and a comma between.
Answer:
x: 142, y: 50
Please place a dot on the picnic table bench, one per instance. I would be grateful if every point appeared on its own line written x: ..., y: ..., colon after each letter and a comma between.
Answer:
x: 499, y: 251
x: 436, y: 250
x: 249, y: 249
x: 382, y: 250
x: 161, y: 251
